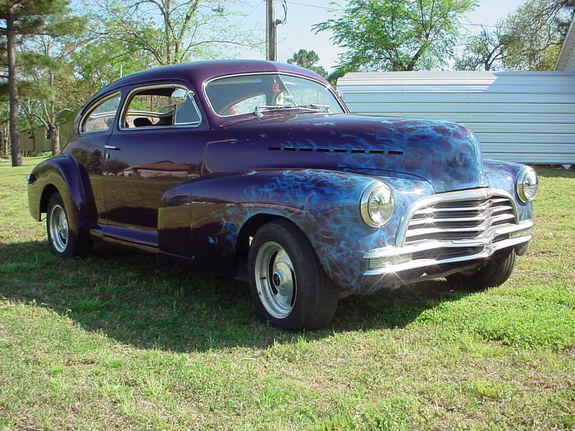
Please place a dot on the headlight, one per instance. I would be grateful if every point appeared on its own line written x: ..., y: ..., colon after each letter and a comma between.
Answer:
x: 376, y: 204
x: 527, y: 184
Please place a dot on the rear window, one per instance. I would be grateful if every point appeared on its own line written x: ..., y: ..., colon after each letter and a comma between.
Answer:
x: 102, y: 115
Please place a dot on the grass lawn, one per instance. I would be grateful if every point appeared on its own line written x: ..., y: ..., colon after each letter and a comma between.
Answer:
x: 116, y: 341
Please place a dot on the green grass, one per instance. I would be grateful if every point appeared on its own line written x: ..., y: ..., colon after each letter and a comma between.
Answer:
x: 117, y: 341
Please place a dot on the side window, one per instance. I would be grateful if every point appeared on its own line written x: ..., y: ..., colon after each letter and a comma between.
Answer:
x: 161, y: 106
x: 102, y: 116
x: 187, y: 111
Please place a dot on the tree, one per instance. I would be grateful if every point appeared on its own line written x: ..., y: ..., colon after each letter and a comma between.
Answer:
x: 170, y: 31
x: 397, y: 34
x: 48, y: 97
x: 536, y: 30
x: 485, y: 50
x: 102, y: 61
x: 562, y: 13
x: 309, y: 60
x: 529, y: 38
x: 22, y: 19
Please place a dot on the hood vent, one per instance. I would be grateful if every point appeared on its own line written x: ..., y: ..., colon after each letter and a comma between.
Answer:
x: 336, y: 150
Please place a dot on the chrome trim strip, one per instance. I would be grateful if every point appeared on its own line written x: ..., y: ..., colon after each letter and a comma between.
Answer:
x: 482, y: 216
x: 420, y: 221
x: 426, y: 231
x: 432, y: 210
x: 420, y: 263
x: 480, y: 227
x: 501, y: 208
x: 151, y: 248
x: 501, y: 217
x: 462, y: 195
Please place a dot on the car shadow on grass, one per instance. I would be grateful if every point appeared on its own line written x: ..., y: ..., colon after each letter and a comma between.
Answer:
x: 555, y: 172
x: 136, y: 300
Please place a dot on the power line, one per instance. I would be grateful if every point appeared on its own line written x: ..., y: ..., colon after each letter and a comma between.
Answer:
x: 333, y: 9
x: 330, y: 8
x: 478, y: 25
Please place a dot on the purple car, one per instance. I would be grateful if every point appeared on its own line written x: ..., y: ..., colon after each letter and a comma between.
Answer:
x: 258, y: 168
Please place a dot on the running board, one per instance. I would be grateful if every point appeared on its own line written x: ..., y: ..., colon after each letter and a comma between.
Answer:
x: 144, y: 240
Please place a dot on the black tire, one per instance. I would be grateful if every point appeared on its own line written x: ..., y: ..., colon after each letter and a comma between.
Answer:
x: 494, y: 273
x: 63, y: 242
x: 312, y: 302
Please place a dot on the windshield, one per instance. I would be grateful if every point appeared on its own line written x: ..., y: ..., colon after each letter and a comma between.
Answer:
x: 246, y: 94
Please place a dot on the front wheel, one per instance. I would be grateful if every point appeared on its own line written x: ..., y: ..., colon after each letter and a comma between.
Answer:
x: 64, y: 242
x: 287, y: 282
x: 494, y: 273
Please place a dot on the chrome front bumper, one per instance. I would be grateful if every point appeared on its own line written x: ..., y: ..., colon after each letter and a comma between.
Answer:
x: 392, y: 260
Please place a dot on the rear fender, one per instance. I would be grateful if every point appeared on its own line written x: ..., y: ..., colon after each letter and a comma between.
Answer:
x: 64, y: 175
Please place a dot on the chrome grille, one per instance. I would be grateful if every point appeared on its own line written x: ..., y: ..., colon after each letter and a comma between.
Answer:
x: 459, y: 219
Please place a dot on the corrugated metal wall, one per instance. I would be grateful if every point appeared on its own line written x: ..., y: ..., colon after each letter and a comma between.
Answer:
x: 518, y: 116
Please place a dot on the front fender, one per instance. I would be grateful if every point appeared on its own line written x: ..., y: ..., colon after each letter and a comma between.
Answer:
x: 503, y: 175
x: 204, y: 217
x: 65, y: 175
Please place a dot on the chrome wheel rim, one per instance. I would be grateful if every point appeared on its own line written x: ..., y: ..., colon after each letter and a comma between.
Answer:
x: 275, y: 280
x: 59, y: 232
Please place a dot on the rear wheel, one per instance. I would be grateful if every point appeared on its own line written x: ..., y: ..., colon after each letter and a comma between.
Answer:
x: 494, y: 273
x: 286, y: 280
x: 64, y: 242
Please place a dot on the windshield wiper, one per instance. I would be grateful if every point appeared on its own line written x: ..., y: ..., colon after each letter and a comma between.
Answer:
x: 311, y: 107
x: 259, y: 111
x: 316, y: 107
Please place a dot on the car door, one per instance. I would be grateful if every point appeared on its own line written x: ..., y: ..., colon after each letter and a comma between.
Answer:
x: 89, y: 147
x: 158, y: 143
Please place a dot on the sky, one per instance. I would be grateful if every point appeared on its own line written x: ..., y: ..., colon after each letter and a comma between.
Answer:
x: 297, y: 32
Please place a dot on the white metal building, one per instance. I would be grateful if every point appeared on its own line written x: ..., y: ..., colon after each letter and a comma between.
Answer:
x: 518, y: 116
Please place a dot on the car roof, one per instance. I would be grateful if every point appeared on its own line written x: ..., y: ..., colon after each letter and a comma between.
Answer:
x: 201, y: 71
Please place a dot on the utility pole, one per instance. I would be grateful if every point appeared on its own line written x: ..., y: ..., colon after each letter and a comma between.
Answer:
x: 271, y: 31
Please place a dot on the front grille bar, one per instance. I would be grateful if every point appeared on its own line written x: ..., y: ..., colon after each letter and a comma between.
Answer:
x: 468, y: 211
x: 418, y: 222
x: 432, y: 230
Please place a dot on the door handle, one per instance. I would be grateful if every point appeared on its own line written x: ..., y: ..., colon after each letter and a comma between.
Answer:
x: 111, y: 147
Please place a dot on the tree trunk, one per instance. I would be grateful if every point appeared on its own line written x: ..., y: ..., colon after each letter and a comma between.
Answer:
x: 6, y: 135
x: 3, y: 140
x: 34, y: 151
x: 53, y: 129
x: 13, y: 92
x: 54, y: 133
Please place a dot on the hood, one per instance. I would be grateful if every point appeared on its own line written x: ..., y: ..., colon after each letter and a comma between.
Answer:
x: 445, y: 154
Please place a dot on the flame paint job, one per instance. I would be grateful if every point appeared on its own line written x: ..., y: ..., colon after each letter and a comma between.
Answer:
x: 194, y: 192
x: 324, y: 204
x: 444, y: 153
